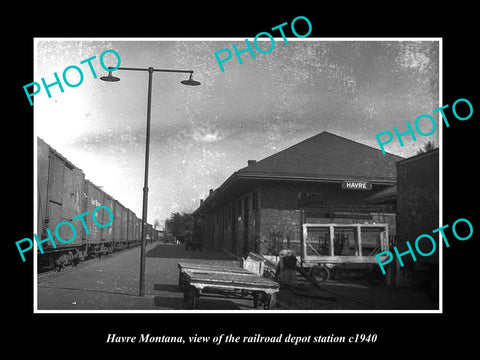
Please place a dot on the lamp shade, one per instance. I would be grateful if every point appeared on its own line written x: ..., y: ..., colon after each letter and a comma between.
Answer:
x: 190, y: 81
x: 109, y: 78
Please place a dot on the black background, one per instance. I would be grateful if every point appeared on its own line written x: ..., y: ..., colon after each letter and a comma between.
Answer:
x: 398, y: 334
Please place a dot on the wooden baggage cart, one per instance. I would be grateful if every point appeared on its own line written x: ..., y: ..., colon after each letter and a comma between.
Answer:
x: 322, y: 250
x: 196, y: 279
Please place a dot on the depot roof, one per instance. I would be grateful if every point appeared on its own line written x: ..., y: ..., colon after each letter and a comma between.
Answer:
x: 325, y: 157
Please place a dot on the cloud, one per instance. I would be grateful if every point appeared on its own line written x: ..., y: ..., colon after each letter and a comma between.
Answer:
x: 410, y: 56
x: 206, y: 136
x: 201, y: 135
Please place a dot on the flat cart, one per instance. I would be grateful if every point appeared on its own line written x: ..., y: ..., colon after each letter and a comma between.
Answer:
x: 196, y: 279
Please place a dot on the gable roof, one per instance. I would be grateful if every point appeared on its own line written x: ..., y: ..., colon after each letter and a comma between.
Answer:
x: 326, y: 156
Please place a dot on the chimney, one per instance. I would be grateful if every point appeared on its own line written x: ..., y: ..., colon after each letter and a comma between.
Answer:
x: 211, y: 192
x: 201, y: 202
x: 252, y: 162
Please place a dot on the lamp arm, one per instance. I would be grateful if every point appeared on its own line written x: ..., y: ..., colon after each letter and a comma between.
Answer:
x: 146, y: 69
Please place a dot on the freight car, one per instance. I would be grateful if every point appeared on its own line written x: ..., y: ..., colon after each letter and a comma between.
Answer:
x: 60, y: 187
x: 63, y: 193
x: 99, y: 241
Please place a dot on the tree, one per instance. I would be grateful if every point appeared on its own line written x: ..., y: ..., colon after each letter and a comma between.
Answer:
x: 180, y: 225
x: 428, y: 146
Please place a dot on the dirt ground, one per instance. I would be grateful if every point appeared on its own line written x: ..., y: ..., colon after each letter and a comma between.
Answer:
x: 352, y: 295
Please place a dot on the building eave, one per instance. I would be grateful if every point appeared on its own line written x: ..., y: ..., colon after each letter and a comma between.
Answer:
x: 313, y: 178
x: 238, y: 175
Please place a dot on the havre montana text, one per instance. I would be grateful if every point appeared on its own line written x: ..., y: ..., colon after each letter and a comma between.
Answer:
x: 144, y: 338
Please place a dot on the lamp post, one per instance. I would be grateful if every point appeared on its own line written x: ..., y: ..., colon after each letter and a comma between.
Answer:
x: 151, y: 70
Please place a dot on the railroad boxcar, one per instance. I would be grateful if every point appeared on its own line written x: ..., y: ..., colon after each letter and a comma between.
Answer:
x: 130, y: 227
x: 64, y: 193
x: 136, y: 230
x: 124, y: 231
x: 60, y: 199
x: 99, y: 240
x: 120, y: 226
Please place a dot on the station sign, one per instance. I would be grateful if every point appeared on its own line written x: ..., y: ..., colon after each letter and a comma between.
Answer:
x: 356, y: 185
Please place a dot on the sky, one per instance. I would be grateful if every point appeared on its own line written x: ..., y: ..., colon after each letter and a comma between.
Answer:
x: 200, y: 135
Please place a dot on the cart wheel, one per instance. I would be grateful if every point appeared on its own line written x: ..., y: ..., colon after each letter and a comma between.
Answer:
x: 375, y: 277
x: 320, y: 273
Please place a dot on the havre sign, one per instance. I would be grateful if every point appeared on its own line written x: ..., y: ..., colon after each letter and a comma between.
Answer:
x: 356, y: 185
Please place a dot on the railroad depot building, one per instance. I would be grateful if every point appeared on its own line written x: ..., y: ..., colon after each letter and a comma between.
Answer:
x: 324, y: 182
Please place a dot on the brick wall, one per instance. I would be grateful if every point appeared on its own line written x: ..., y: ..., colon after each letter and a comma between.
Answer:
x: 417, y: 199
x: 226, y: 227
x: 280, y: 229
x: 286, y: 195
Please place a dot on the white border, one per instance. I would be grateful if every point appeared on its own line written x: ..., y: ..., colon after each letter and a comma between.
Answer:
x: 245, y: 312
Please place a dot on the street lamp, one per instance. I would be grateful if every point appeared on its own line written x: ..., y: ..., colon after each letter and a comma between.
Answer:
x: 151, y: 70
